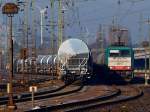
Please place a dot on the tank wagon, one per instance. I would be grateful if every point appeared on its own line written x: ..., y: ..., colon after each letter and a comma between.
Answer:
x: 75, y: 60
x: 120, y: 59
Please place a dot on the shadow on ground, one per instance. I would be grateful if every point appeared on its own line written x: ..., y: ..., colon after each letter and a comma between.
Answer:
x: 138, y: 80
x: 103, y: 75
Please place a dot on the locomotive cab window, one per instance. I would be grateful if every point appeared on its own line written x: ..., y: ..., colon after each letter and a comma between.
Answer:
x: 125, y: 53
x: 114, y: 53
x: 118, y: 53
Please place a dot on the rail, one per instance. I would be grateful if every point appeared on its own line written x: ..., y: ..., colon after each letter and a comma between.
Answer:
x: 87, y: 105
x: 41, y: 95
x: 117, y: 99
x: 61, y: 107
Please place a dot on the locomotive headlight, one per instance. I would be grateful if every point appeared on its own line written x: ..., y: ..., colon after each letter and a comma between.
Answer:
x: 128, y: 67
x: 111, y: 67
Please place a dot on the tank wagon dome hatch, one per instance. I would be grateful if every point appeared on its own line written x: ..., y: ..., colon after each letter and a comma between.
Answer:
x: 73, y: 48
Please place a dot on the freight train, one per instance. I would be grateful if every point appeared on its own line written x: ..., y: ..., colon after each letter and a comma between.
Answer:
x: 73, y: 61
x: 120, y: 59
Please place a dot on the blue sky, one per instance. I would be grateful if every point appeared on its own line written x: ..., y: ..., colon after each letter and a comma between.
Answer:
x: 128, y: 14
x: 94, y: 12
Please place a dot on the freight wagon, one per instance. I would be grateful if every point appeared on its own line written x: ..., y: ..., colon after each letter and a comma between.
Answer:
x: 75, y: 60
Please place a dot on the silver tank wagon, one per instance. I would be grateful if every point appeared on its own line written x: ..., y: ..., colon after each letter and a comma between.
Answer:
x: 75, y: 59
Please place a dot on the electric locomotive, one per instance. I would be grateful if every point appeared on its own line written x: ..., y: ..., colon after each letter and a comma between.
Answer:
x: 120, y: 59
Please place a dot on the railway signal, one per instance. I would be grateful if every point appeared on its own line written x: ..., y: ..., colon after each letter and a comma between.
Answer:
x: 33, y: 89
x: 10, y: 9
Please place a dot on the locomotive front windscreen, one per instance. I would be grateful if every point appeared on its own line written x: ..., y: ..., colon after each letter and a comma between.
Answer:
x: 119, y: 59
x: 119, y: 53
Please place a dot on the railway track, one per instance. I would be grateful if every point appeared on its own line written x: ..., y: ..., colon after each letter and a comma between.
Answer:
x: 101, y: 92
x: 43, y: 94
x: 127, y: 93
x: 120, y: 94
